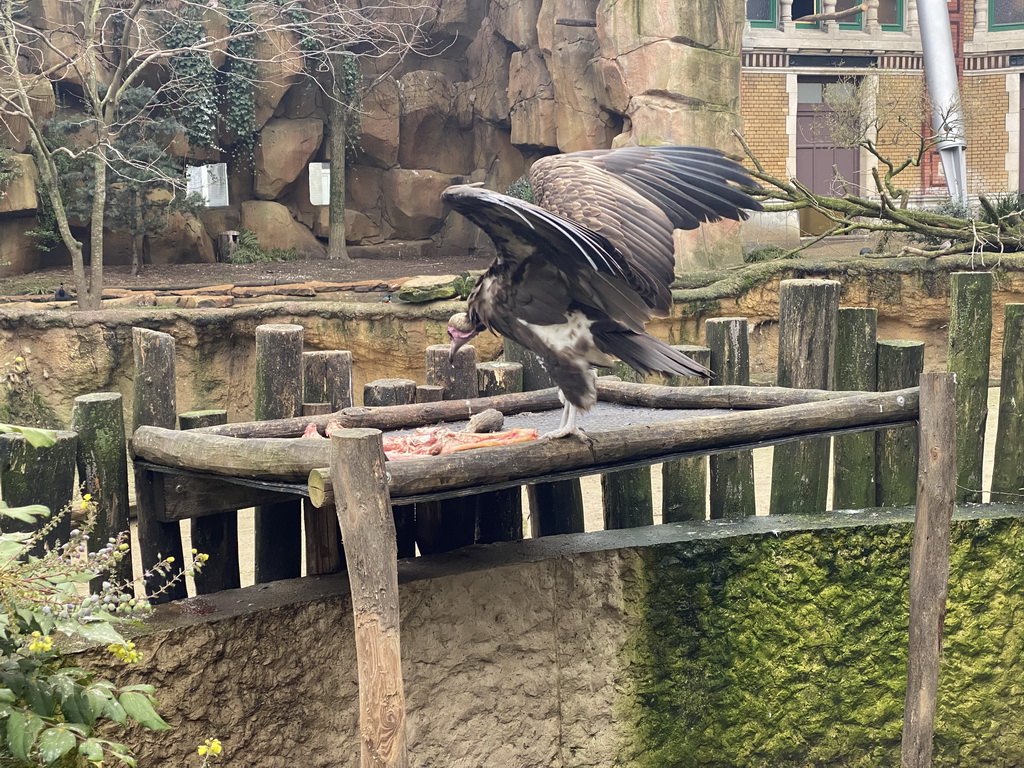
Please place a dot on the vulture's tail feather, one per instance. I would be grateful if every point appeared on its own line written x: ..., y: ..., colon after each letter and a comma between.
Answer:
x: 648, y: 355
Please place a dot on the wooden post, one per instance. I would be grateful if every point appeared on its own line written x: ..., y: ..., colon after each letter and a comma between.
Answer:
x: 807, y: 336
x: 278, y: 550
x: 684, y: 482
x: 214, y: 535
x: 154, y: 405
x: 103, y: 466
x: 39, y: 476
x: 327, y: 378
x: 900, y: 364
x: 429, y: 393
x: 929, y: 563
x: 970, y: 339
x: 389, y: 392
x: 534, y: 375
x: 1008, y: 468
x: 364, y: 513
x: 459, y: 380
x: 853, y: 456
x: 499, y: 378
x: 731, y: 474
x: 556, y: 508
x: 628, y: 499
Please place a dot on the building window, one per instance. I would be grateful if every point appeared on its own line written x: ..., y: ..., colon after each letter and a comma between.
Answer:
x: 209, y: 181
x: 803, y: 8
x: 1005, y: 14
x: 761, y: 13
x: 850, y: 22
x: 890, y: 14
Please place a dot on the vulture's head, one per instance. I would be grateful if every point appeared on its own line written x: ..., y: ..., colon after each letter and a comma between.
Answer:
x: 460, y: 330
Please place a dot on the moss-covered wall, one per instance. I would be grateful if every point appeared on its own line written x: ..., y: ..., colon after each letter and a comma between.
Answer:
x: 790, y: 650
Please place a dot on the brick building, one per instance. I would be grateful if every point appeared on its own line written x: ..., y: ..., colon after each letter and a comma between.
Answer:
x: 788, y: 66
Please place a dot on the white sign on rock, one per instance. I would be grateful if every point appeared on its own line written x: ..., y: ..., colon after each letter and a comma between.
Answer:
x: 320, y: 183
x: 210, y: 181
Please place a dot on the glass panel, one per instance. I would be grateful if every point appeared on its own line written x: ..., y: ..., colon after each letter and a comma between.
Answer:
x: 855, y: 19
x: 889, y: 12
x: 760, y: 10
x: 808, y: 93
x: 1007, y: 11
x: 803, y: 8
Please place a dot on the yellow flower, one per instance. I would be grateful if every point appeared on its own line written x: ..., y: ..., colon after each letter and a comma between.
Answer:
x: 125, y: 652
x: 40, y: 642
x: 209, y: 747
x: 87, y: 497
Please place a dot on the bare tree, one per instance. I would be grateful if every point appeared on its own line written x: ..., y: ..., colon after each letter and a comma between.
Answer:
x: 90, y: 53
x: 855, y: 116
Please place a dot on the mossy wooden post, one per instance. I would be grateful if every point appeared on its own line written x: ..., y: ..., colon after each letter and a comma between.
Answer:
x: 732, y: 473
x: 900, y: 364
x: 154, y: 405
x: 214, y: 535
x: 429, y: 393
x: 327, y: 378
x: 970, y: 340
x: 389, y: 392
x: 364, y: 514
x: 499, y: 378
x: 459, y: 379
x: 684, y: 482
x: 278, y: 396
x: 534, y: 375
x: 103, y: 466
x: 853, y: 456
x: 929, y: 563
x: 807, y: 337
x: 39, y: 476
x: 1008, y: 468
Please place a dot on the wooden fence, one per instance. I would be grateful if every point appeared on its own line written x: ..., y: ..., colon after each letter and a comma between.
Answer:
x: 859, y: 447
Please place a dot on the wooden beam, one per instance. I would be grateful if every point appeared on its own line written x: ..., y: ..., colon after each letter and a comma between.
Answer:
x: 929, y: 563
x: 364, y: 513
x: 292, y: 460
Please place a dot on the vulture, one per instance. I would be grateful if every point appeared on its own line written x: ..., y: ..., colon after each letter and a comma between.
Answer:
x: 581, y: 270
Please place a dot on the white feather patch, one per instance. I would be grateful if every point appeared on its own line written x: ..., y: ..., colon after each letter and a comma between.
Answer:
x: 570, y: 338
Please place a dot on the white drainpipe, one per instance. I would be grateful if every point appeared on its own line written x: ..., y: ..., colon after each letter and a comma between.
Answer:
x: 940, y: 74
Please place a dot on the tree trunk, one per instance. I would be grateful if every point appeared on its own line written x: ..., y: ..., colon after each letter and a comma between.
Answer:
x: 90, y: 298
x: 339, y: 136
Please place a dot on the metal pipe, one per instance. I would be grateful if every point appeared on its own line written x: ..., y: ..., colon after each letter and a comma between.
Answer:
x: 944, y: 93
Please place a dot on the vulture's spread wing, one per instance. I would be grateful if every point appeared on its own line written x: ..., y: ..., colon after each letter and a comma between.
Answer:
x: 633, y: 197
x: 551, y: 261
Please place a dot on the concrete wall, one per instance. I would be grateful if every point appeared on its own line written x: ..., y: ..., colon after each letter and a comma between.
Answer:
x: 771, y: 641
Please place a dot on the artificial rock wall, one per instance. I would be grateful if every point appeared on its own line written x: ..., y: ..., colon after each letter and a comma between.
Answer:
x: 514, y: 80
x: 770, y: 641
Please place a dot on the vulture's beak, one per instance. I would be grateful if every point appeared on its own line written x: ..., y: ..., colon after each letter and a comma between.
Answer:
x: 453, y: 350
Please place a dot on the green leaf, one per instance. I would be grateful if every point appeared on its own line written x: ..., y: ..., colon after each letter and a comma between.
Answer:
x: 100, y: 632
x: 54, y: 743
x: 37, y: 438
x: 7, y: 696
x: 142, y: 688
x: 91, y: 751
x: 112, y: 710
x: 94, y: 704
x: 25, y: 514
x: 39, y: 697
x: 22, y: 730
x: 140, y: 709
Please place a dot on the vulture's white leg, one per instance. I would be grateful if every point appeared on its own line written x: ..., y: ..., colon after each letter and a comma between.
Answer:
x: 568, y: 425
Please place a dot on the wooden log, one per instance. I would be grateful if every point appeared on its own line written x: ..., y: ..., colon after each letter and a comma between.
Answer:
x: 556, y: 508
x: 684, y: 482
x: 458, y: 378
x: 278, y: 395
x: 39, y: 476
x: 1008, y: 468
x: 321, y: 495
x: 730, y: 397
x: 429, y: 393
x: 214, y: 535
x: 292, y: 460
x: 154, y: 405
x: 853, y: 456
x: 970, y: 339
x: 731, y: 475
x: 316, y: 409
x: 499, y: 378
x: 327, y: 377
x: 186, y: 497
x: 929, y: 563
x: 807, y: 335
x: 698, y: 352
x: 534, y: 375
x: 628, y: 499
x: 383, y: 392
x: 103, y: 467
x: 900, y: 364
x: 357, y: 467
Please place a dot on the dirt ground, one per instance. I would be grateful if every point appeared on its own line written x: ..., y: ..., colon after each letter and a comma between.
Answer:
x: 162, y: 276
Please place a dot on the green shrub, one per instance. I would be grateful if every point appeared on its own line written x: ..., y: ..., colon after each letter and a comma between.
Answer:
x: 767, y: 253
x: 249, y: 251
